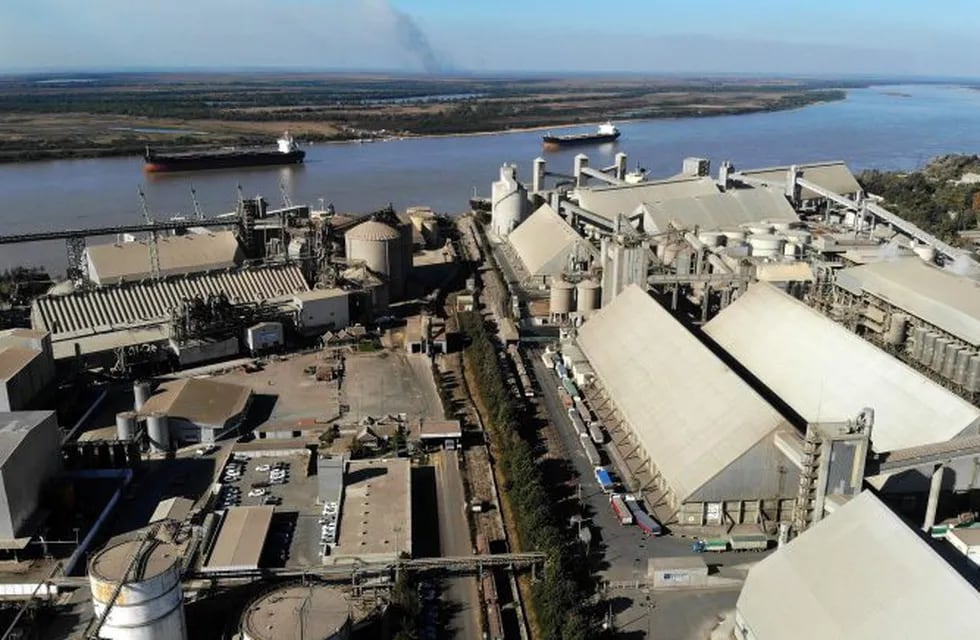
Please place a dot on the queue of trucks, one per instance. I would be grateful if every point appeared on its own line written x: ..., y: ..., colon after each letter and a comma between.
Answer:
x: 736, y: 542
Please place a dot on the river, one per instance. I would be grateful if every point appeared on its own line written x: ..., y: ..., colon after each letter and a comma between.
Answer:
x: 893, y: 127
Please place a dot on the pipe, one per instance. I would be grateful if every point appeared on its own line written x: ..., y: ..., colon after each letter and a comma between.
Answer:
x: 932, y: 505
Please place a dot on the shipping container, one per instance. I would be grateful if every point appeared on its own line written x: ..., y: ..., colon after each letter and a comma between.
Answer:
x: 642, y: 518
x: 596, y: 433
x: 620, y: 509
x: 604, y: 479
x: 570, y: 387
x: 576, y: 421
x: 749, y: 542
x: 582, y: 409
x: 591, y: 453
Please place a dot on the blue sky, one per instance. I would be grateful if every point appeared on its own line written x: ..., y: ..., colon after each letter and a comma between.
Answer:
x: 652, y: 36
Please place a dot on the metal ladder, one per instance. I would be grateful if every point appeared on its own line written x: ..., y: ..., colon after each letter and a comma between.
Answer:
x: 803, y: 509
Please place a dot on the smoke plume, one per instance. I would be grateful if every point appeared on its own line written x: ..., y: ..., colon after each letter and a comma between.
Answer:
x: 408, y: 34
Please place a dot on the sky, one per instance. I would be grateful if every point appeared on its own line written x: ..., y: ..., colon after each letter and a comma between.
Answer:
x: 833, y: 37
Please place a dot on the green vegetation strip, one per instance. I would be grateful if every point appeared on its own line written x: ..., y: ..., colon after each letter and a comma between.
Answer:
x: 558, y: 596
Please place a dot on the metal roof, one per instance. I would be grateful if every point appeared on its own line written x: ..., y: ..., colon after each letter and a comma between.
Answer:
x: 717, y: 210
x: 240, y: 540
x: 860, y: 573
x: 137, y: 304
x: 826, y: 373
x: 14, y: 359
x: 110, y: 263
x: 692, y: 414
x: 298, y: 611
x: 611, y: 201
x: 544, y: 241
x: 15, y: 427
x: 199, y: 400
x: 374, y: 231
x: 784, y: 272
x: 172, y: 509
x: 834, y: 175
x: 937, y: 296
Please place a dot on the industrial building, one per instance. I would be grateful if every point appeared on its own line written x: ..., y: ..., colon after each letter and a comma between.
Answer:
x: 832, y: 176
x: 861, y: 573
x: 376, y: 515
x: 321, y: 309
x: 177, y: 255
x: 546, y: 246
x: 310, y: 612
x: 199, y: 409
x: 30, y: 456
x: 238, y: 546
x: 385, y: 249
x: 718, y: 210
x: 26, y: 367
x: 825, y: 372
x: 708, y: 438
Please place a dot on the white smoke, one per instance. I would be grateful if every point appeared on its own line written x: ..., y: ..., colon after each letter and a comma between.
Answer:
x: 963, y: 265
x: 889, y: 252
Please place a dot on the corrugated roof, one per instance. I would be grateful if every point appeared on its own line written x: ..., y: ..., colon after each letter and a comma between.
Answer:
x: 834, y: 175
x: 544, y: 241
x: 374, y: 231
x: 859, y: 573
x: 826, y: 373
x: 937, y: 296
x: 625, y: 199
x: 110, y: 263
x: 240, y: 541
x: 199, y: 400
x: 149, y: 302
x: 719, y: 209
x: 693, y: 415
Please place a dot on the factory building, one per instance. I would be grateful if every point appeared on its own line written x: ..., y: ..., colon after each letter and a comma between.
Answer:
x: 611, y: 201
x: 835, y: 176
x: 930, y: 316
x: 309, y: 612
x: 545, y: 246
x: 861, y: 573
x: 707, y: 436
x: 199, y: 409
x: 824, y: 372
x: 238, y: 546
x: 322, y: 309
x: 26, y: 367
x: 190, y: 253
x: 30, y: 443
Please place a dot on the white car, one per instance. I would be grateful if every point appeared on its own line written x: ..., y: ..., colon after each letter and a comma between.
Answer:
x: 262, y: 468
x: 255, y: 493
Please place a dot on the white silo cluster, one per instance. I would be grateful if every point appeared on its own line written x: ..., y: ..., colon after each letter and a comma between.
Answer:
x: 150, y: 604
x: 566, y: 298
x: 508, y: 202
x: 759, y: 239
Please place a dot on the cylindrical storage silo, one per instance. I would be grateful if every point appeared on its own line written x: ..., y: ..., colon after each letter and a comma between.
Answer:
x: 312, y: 612
x: 141, y: 393
x: 507, y: 201
x: 973, y: 374
x: 928, y: 347
x: 765, y: 245
x: 588, y: 297
x: 949, y: 361
x: 126, y: 425
x: 150, y: 605
x: 939, y: 354
x: 561, y: 297
x: 380, y: 247
x: 158, y: 431
x: 961, y: 374
x: 896, y: 329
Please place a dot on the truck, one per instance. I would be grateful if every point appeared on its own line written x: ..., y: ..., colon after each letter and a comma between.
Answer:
x: 596, y: 433
x: 591, y: 453
x: 582, y: 409
x: 643, y: 520
x: 604, y: 479
x: 576, y: 419
x: 570, y: 387
x: 561, y: 370
x: 566, y: 399
x: 619, y: 507
x: 742, y: 542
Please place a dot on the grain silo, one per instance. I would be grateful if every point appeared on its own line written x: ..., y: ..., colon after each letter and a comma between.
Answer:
x: 150, y: 604
x: 126, y: 425
x: 381, y: 248
x: 158, y: 431
x: 311, y: 612
x: 562, y: 293
x: 588, y: 297
x: 141, y: 393
x: 508, y: 201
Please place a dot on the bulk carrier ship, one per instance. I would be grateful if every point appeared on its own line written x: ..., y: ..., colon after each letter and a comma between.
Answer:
x: 288, y: 152
x: 606, y: 133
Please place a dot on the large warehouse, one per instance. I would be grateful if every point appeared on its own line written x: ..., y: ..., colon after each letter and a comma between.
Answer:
x: 544, y: 244
x: 826, y: 373
x: 718, y: 210
x: 861, y: 573
x: 30, y: 443
x: 190, y: 253
x: 707, y: 433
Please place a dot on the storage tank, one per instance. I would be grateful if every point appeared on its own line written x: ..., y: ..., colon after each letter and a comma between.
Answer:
x: 962, y: 367
x: 896, y: 329
x: 928, y: 347
x: 141, y: 393
x: 561, y: 297
x: 588, y: 297
x: 791, y: 249
x: 150, y: 605
x: 311, y: 612
x: 380, y: 247
x: 765, y: 245
x: 126, y: 425
x: 508, y: 200
x: 158, y: 431
x: 939, y: 354
x: 949, y: 361
x: 918, y: 337
x: 973, y: 374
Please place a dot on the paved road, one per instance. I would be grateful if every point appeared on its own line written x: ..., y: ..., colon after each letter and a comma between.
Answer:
x: 454, y: 537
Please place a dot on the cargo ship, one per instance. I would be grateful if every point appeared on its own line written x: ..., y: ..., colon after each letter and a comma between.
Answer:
x: 606, y: 132
x: 287, y: 152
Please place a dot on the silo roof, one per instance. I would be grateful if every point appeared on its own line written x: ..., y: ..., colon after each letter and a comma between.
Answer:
x: 833, y: 175
x: 287, y: 612
x: 374, y: 231
x: 110, y: 563
x: 826, y: 373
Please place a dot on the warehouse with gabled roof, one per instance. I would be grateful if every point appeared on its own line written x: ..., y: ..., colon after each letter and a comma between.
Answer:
x: 544, y: 244
x: 707, y: 436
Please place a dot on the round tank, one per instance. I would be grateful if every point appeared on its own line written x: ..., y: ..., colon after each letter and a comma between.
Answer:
x: 315, y: 612
x: 765, y: 245
x: 588, y: 297
x: 507, y: 198
x: 141, y: 393
x: 381, y: 248
x: 897, y: 329
x: 150, y: 605
x: 126, y: 425
x: 734, y: 235
x: 158, y: 431
x: 561, y: 297
x: 712, y: 238
x: 925, y: 251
